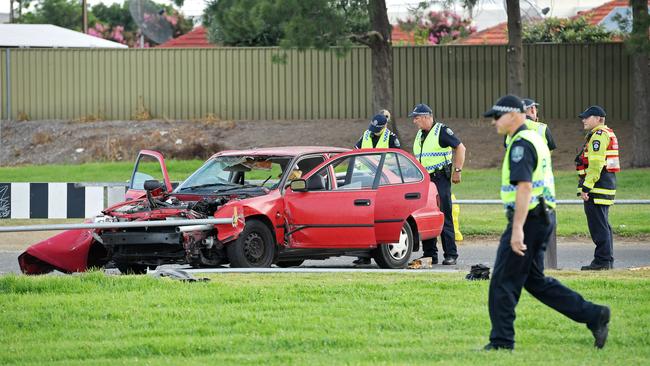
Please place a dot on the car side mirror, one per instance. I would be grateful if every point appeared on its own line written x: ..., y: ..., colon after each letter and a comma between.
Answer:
x: 152, y: 185
x: 298, y: 185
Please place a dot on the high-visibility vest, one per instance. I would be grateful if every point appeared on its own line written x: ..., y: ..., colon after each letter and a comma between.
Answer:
x: 543, y: 181
x: 604, y: 190
x: 538, y: 127
x: 430, y: 154
x: 383, y: 143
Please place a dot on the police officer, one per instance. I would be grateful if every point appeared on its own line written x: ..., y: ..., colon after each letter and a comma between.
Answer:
x: 533, y: 123
x: 597, y: 165
x: 377, y: 136
x: 433, y: 147
x: 528, y: 194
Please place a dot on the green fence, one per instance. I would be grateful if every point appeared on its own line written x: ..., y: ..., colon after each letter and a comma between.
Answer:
x: 244, y: 83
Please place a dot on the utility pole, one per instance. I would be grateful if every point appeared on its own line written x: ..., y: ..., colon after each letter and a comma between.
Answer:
x: 84, y: 14
x: 11, y: 11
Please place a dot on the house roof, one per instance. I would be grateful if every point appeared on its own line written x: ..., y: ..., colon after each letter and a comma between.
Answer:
x: 400, y: 37
x: 197, y: 38
x: 499, y: 33
x: 47, y: 35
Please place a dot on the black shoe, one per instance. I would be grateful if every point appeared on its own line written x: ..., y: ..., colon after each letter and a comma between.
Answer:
x: 600, y: 329
x: 496, y: 347
x: 449, y: 262
x: 596, y: 267
x: 361, y: 261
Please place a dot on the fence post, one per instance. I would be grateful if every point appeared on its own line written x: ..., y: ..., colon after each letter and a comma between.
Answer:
x: 7, y: 84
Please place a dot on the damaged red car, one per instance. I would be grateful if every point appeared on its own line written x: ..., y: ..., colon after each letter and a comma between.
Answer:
x: 286, y: 204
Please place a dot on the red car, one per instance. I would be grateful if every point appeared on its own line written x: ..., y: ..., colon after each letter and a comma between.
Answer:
x: 297, y: 203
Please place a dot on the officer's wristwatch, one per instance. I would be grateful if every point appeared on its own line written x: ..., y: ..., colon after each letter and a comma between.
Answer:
x: 458, y: 170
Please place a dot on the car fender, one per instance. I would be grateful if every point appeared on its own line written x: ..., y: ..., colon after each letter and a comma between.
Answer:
x: 66, y: 252
x: 229, y: 232
x: 429, y: 219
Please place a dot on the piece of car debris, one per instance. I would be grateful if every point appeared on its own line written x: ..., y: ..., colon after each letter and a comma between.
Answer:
x: 177, y: 274
x: 420, y: 263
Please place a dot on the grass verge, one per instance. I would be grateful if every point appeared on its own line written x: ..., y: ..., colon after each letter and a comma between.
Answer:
x: 412, y: 318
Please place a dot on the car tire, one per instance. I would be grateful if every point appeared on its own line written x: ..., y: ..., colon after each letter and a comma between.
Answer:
x: 395, y: 255
x: 292, y: 263
x: 254, y: 248
x: 132, y: 269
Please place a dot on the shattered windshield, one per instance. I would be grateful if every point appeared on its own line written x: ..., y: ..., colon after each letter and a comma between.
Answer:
x: 230, y: 173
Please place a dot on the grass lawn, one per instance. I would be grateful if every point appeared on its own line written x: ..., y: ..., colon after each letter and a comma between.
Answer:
x: 311, y: 319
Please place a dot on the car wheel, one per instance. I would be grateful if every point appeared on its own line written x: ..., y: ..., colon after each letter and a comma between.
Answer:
x: 132, y: 268
x: 253, y: 248
x: 395, y: 255
x: 287, y: 264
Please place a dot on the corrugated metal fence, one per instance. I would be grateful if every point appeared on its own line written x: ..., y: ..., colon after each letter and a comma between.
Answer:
x: 244, y: 83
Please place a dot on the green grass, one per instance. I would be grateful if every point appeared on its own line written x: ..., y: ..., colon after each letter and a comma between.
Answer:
x: 626, y: 220
x: 313, y: 319
x: 485, y: 183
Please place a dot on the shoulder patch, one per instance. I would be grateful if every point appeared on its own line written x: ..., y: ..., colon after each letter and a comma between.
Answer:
x: 449, y: 131
x: 516, y: 154
x: 595, y: 145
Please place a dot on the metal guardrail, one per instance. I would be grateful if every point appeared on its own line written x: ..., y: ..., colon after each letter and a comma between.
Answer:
x: 114, y: 225
x: 560, y: 202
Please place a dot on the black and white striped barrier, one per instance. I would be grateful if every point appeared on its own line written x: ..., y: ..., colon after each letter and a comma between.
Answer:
x: 57, y: 200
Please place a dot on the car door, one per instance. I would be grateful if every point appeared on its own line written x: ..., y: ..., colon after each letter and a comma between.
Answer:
x: 337, y: 209
x: 149, y: 165
x: 402, y: 190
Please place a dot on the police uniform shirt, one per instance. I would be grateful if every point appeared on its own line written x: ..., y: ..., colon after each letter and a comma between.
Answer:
x: 446, y: 138
x: 522, y: 159
x: 393, y: 141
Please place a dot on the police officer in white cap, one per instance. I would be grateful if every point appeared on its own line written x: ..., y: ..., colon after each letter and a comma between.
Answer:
x: 528, y: 195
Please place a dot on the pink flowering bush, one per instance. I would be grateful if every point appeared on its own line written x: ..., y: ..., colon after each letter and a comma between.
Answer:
x: 437, y: 27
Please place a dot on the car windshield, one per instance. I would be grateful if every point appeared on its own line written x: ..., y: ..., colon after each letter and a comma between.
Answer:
x: 230, y: 173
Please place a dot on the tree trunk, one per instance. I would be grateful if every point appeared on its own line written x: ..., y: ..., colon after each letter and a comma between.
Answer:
x: 641, y: 82
x: 381, y: 60
x: 11, y: 11
x: 515, y: 55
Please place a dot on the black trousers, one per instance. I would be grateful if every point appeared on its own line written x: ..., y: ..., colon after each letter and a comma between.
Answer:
x: 512, y: 272
x: 448, y: 236
x: 600, y: 231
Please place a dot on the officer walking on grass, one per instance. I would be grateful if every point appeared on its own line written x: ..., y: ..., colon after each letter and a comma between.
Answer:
x: 528, y: 194
x: 434, y: 146
x: 377, y: 136
x: 597, y: 165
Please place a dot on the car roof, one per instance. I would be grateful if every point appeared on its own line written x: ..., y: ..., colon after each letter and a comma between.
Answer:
x: 283, y: 151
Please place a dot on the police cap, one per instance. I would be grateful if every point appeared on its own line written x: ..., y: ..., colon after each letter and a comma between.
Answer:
x: 594, y: 110
x: 421, y: 110
x: 505, y: 104
x: 529, y: 103
x: 377, y: 123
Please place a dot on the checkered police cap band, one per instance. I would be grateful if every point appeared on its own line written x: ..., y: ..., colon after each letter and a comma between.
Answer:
x: 504, y: 109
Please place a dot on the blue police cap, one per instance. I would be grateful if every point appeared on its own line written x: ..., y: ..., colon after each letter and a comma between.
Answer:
x: 421, y: 110
x: 377, y: 123
x: 594, y: 110
x: 529, y: 103
x: 505, y: 104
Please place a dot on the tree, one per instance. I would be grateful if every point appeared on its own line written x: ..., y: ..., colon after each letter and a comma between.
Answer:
x: 243, y: 23
x: 560, y: 30
x: 64, y: 13
x: 319, y: 24
x: 639, y: 44
x: 515, y: 54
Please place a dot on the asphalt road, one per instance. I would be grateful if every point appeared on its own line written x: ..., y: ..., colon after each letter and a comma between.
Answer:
x: 572, y: 255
